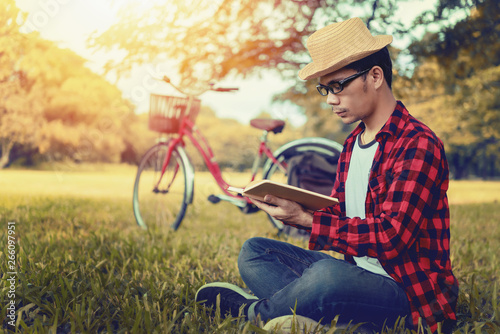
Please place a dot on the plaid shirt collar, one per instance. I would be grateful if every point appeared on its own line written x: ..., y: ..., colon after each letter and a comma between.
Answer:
x: 394, y: 124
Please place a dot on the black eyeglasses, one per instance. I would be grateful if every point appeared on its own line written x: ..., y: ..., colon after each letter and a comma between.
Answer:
x: 336, y: 87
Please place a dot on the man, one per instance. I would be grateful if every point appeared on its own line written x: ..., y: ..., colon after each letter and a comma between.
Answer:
x: 392, y: 220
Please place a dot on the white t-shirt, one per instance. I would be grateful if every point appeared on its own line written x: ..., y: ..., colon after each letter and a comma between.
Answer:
x: 356, y: 189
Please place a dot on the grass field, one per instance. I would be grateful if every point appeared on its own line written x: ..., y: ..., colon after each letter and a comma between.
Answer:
x: 84, y: 266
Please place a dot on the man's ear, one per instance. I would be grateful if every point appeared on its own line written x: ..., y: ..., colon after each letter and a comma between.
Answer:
x: 377, y: 75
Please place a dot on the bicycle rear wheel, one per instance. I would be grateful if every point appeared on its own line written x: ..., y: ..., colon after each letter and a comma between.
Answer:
x: 278, y: 172
x: 163, y: 204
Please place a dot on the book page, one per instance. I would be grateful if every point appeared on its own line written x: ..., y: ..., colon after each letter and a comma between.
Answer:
x: 235, y: 190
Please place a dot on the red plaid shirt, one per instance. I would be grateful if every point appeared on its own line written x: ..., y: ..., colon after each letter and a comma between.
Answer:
x: 407, y: 216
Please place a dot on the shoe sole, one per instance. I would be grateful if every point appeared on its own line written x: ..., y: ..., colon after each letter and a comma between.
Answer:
x: 296, y: 323
x: 227, y: 286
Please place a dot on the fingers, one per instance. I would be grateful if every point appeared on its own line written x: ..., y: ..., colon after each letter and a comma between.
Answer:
x: 284, y: 210
x: 275, y: 206
x: 269, y: 201
x: 266, y: 206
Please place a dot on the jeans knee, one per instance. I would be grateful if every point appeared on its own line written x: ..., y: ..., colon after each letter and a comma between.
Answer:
x: 246, y: 252
x: 328, y: 275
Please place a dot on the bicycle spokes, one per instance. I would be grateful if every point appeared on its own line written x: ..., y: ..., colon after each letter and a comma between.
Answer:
x: 166, y: 162
x: 156, y: 189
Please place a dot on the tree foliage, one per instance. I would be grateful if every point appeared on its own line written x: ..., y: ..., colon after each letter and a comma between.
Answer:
x: 209, y: 40
x: 455, y: 89
x: 453, y: 64
x: 19, y: 110
x: 51, y: 106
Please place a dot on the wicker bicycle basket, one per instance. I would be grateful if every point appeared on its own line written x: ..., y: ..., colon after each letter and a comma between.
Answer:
x: 166, y: 112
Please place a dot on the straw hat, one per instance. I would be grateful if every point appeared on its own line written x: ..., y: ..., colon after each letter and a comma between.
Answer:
x: 339, y: 44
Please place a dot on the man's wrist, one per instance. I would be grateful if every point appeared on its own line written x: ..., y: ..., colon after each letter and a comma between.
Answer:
x: 307, y: 219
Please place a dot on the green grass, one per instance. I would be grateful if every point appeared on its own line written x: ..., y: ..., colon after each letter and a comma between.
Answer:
x: 84, y: 266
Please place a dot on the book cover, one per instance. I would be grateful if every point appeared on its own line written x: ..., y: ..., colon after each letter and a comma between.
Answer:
x: 309, y: 199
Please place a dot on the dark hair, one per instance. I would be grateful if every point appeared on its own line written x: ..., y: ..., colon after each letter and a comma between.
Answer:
x: 380, y: 58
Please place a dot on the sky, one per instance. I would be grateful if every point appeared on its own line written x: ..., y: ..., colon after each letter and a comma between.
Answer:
x: 70, y: 22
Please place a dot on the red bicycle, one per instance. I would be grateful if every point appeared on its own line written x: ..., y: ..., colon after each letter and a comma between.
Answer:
x: 164, y: 184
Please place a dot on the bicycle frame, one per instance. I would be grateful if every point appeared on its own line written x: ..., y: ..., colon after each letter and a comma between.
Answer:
x: 173, y: 147
x: 189, y: 130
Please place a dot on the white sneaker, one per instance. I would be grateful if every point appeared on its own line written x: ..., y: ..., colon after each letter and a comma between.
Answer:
x: 295, y: 324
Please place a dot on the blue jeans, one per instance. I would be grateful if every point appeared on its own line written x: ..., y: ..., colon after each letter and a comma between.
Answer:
x: 318, y: 286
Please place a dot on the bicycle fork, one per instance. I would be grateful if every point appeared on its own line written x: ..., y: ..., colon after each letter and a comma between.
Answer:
x: 166, y: 161
x: 173, y: 145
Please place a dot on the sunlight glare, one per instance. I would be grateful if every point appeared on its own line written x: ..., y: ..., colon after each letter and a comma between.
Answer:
x: 194, y: 11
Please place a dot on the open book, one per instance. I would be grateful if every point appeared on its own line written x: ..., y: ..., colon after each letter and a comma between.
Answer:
x: 308, y: 199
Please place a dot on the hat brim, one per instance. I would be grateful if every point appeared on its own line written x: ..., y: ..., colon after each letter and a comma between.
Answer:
x: 313, y: 70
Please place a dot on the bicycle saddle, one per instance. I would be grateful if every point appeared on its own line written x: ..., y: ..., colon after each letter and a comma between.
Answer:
x: 274, y: 125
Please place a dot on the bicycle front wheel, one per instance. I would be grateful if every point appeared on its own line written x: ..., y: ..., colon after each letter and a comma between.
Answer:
x: 160, y: 201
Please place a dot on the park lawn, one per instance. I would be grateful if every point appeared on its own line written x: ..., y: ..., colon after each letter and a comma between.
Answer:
x: 84, y: 266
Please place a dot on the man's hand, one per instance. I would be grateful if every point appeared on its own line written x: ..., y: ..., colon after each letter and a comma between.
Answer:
x: 285, y: 210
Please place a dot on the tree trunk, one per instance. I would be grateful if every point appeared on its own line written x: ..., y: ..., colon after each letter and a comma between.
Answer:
x: 6, y: 147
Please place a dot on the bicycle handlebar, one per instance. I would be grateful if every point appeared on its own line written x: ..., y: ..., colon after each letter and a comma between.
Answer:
x: 218, y: 89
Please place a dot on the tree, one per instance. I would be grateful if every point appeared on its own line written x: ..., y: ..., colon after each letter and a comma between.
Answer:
x: 51, y: 105
x: 19, y: 112
x: 83, y: 113
x: 211, y: 40
x: 19, y: 115
x: 455, y: 88
x: 208, y: 40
